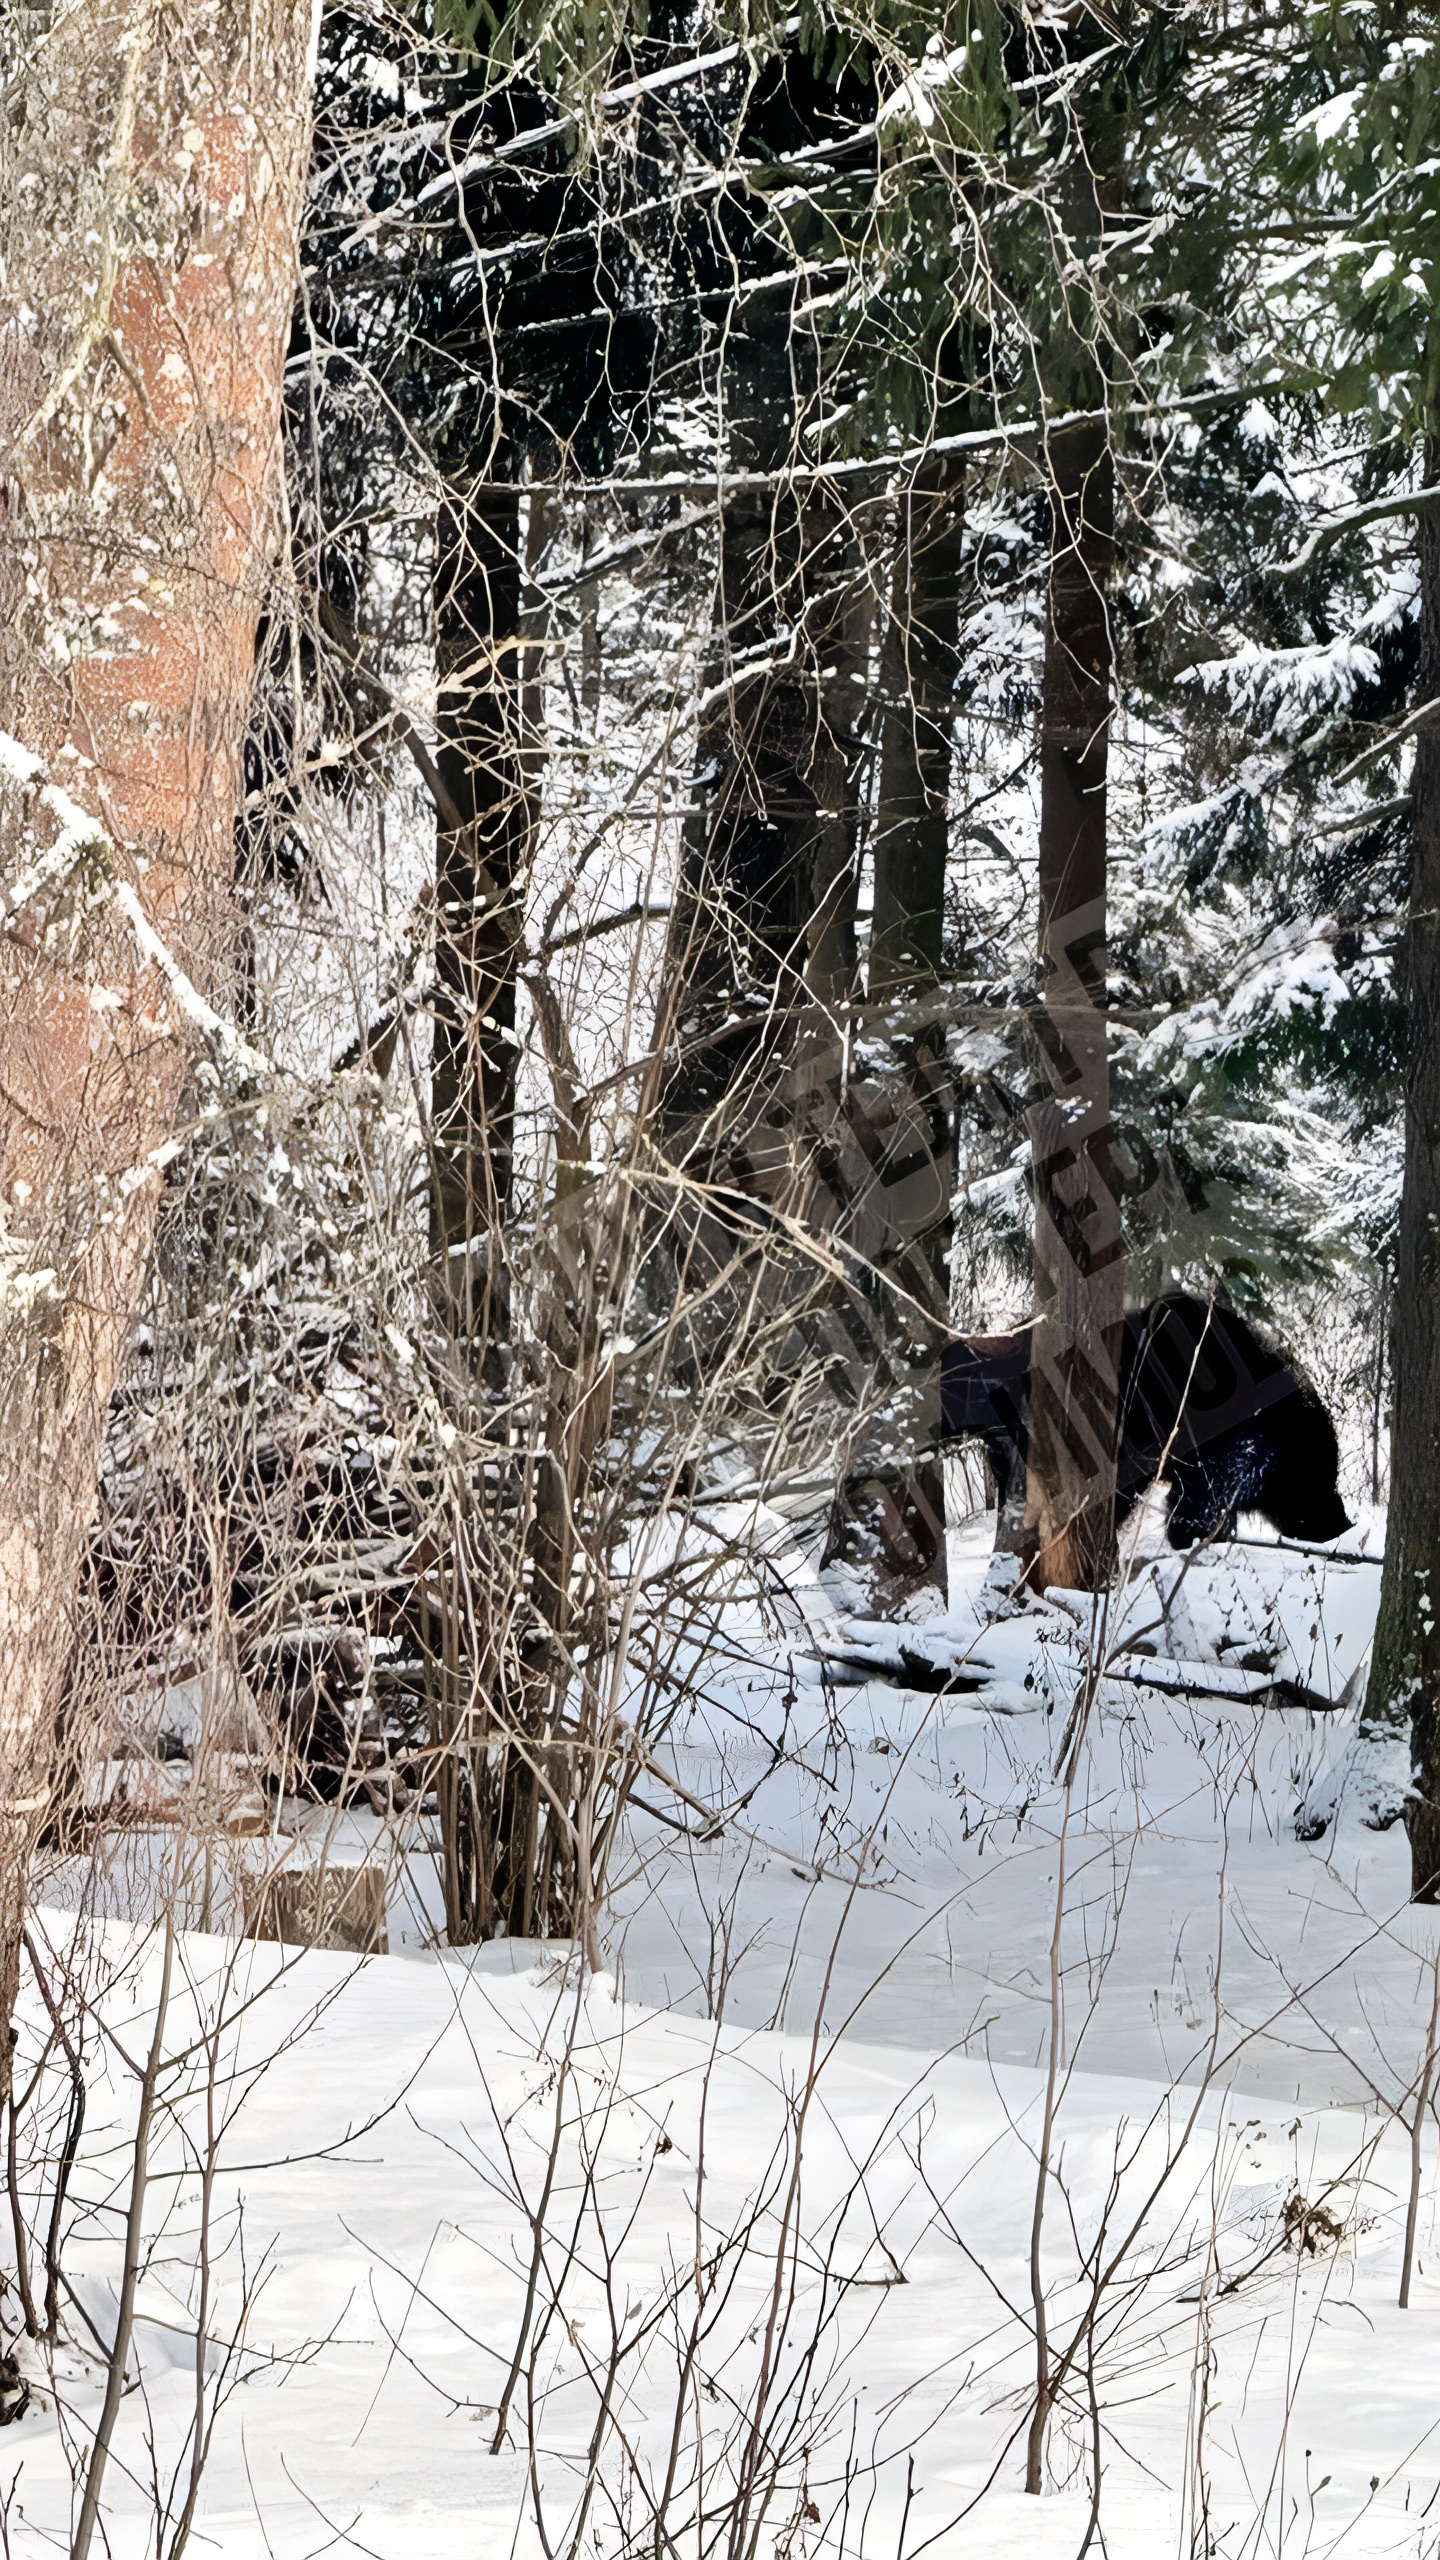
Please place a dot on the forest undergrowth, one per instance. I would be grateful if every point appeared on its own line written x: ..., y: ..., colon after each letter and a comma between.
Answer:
x: 701, y: 707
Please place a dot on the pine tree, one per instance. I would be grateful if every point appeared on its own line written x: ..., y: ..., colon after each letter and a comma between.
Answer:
x: 1361, y: 99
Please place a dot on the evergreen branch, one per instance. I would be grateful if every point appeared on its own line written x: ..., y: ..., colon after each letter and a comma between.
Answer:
x: 1395, y: 737
x: 1013, y: 436
x: 1356, y: 821
x: 1406, y: 502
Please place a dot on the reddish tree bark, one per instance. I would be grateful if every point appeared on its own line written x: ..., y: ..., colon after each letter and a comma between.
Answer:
x: 154, y: 170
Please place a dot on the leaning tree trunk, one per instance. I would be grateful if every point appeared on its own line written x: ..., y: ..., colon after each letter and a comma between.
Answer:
x: 1404, y: 1683
x: 1079, y: 1269
x: 152, y: 172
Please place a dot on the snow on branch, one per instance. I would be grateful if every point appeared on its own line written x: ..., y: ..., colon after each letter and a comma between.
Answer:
x: 1330, y: 528
x: 79, y: 838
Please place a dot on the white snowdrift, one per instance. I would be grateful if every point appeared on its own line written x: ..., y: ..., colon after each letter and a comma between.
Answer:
x: 785, y: 2272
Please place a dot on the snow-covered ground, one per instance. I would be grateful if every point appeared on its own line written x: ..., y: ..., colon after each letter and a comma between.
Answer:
x: 788, y: 2212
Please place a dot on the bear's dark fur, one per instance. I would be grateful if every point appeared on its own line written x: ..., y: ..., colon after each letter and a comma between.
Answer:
x: 1222, y: 1418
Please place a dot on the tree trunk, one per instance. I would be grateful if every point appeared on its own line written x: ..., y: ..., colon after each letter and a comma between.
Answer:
x: 912, y: 832
x: 482, y: 849
x: 764, y: 927
x: 887, y: 1157
x: 827, y: 851
x: 160, y: 160
x: 753, y: 1020
x: 1405, y: 1664
x: 1079, y: 1269
x: 912, y: 849
x: 504, y: 1777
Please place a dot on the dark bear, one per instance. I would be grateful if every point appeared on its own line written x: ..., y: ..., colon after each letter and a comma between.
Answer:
x: 1222, y: 1418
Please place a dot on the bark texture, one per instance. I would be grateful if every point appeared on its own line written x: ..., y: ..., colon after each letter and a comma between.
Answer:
x: 1069, y: 1534
x: 151, y: 172
x: 900, y: 1218
x: 1405, y: 1664
x: 764, y: 927
x: 507, y: 1771
x: 912, y: 832
x: 481, y: 866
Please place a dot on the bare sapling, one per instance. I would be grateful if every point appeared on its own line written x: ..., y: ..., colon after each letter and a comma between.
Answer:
x: 1420, y: 2106
x: 148, y: 2077
x: 74, y: 2128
